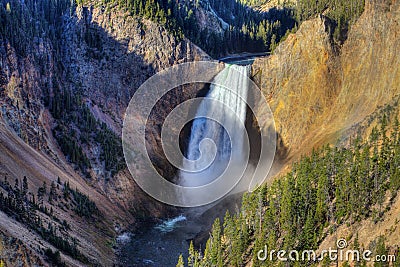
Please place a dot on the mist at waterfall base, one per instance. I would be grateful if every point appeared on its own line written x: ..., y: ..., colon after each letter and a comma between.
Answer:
x: 209, y: 142
x: 218, y: 132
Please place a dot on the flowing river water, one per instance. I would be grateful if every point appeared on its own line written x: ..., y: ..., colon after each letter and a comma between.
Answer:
x: 161, y: 244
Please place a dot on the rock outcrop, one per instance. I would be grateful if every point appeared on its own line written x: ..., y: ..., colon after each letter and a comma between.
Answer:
x: 317, y: 90
x: 299, y: 80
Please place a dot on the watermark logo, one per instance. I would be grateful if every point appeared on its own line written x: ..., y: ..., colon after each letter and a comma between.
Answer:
x: 340, y: 253
x: 235, y: 176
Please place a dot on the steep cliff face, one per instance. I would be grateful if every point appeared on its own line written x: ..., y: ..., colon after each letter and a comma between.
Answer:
x: 21, y: 82
x: 90, y: 61
x: 316, y: 89
x: 109, y: 54
x: 299, y: 80
x: 370, y: 62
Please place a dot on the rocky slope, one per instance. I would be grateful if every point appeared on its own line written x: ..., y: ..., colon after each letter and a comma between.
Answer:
x: 101, y: 55
x: 122, y: 53
x: 317, y: 90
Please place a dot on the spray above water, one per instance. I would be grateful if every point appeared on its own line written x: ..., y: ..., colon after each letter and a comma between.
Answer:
x: 218, y: 152
x: 229, y: 91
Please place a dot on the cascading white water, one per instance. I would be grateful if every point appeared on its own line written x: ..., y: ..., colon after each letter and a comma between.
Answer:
x: 232, y: 91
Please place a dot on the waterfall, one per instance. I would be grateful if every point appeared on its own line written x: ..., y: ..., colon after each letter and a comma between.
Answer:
x: 228, y: 111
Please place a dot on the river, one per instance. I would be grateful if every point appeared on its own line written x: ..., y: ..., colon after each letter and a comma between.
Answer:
x: 161, y: 244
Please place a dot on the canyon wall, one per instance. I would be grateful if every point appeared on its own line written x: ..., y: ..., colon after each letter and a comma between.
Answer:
x: 103, y: 55
x: 318, y: 89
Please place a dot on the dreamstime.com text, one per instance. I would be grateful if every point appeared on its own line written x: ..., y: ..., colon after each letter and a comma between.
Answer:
x: 340, y: 253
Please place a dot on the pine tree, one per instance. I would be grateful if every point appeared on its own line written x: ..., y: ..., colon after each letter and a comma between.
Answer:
x: 288, y: 210
x: 180, y: 263
x: 381, y: 250
x: 193, y: 256
x: 216, y: 246
x: 356, y: 247
x: 53, y: 192
x: 41, y: 193
x: 24, y: 186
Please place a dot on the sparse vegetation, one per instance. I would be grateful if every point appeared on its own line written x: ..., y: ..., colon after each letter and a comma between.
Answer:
x: 78, y: 127
x: 342, y: 12
x: 75, y: 124
x: 21, y: 204
x: 84, y: 207
x: 111, y: 152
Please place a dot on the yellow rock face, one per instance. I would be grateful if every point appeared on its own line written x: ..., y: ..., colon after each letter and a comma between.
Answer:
x: 317, y: 90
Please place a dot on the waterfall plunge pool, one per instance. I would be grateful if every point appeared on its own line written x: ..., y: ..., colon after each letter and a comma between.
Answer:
x: 162, y: 243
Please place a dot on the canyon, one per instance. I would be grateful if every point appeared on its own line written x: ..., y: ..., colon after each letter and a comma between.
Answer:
x: 320, y: 91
